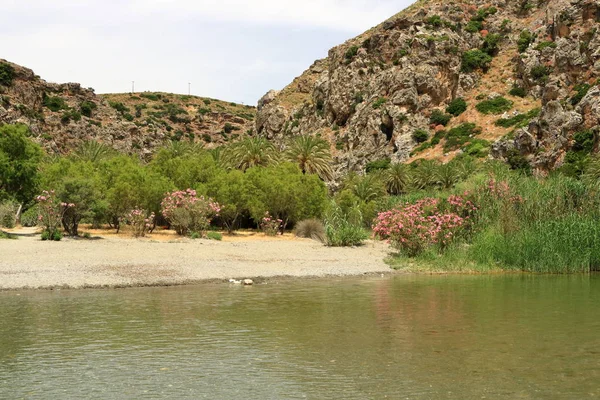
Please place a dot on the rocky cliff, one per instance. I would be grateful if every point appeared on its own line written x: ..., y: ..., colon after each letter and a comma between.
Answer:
x: 63, y: 115
x: 513, y: 79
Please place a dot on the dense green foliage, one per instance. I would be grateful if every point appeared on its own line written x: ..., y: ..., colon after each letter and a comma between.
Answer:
x: 497, y: 105
x: 457, y: 106
x: 7, y: 74
x: 518, y: 91
x: 475, y: 59
x: 520, y: 120
x: 525, y: 39
x: 520, y: 223
x: 439, y: 118
x: 19, y: 161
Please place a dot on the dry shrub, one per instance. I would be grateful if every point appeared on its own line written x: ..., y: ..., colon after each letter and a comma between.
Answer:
x: 312, y: 229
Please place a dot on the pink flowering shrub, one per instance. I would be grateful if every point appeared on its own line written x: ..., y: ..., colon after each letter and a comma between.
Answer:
x: 140, y: 221
x: 50, y: 214
x: 412, y: 228
x: 271, y: 226
x: 187, y: 212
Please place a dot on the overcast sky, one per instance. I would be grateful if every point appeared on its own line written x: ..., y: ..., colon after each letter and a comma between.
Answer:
x: 235, y: 50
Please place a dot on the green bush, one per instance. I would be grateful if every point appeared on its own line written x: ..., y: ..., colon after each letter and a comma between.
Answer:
x: 151, y: 96
x: 435, y: 21
x: 7, y: 74
x: 475, y: 59
x: 29, y: 218
x: 457, y: 137
x: 520, y: 120
x: 545, y: 45
x: 55, y: 103
x: 439, y: 118
x: 525, y: 39
x: 379, y: 102
x: 212, y: 235
x: 582, y: 89
x: 55, y: 236
x: 378, y: 165
x: 351, y: 53
x: 8, y: 211
x: 457, y: 106
x: 4, y: 235
x: 518, y: 91
x: 420, y: 136
x: 540, y: 73
x: 497, y: 105
x: 120, y: 107
x: 69, y: 115
x: 342, y: 229
x: 490, y: 43
x: 87, y: 108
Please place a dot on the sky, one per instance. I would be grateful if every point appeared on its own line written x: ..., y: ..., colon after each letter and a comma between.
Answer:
x: 233, y: 50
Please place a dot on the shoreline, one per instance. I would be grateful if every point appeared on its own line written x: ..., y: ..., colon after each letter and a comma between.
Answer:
x: 116, y: 262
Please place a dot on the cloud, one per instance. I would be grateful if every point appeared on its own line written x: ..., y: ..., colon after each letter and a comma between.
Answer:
x: 231, y: 49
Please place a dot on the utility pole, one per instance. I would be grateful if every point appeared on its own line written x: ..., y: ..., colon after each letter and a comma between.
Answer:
x: 189, y: 89
x: 132, y: 87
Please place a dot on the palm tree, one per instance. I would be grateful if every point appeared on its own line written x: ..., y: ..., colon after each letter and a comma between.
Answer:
x: 312, y: 156
x: 446, y: 175
x: 397, y: 179
x: 251, y: 152
x: 369, y: 188
x: 425, y: 174
x: 92, y: 151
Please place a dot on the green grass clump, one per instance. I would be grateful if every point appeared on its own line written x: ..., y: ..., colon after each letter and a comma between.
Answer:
x: 520, y: 120
x: 5, y: 235
x: 497, y: 105
x: 518, y: 91
x: 379, y: 102
x: 212, y: 235
x: 458, y: 136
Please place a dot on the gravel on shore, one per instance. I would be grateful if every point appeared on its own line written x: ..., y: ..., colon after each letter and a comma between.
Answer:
x: 29, y: 263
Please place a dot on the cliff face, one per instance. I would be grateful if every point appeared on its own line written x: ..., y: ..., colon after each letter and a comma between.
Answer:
x: 61, y: 116
x: 374, y: 95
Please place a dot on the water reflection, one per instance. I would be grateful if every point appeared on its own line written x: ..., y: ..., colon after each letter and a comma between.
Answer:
x: 412, y: 337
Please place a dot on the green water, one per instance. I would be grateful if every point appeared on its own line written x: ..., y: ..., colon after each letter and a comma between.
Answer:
x: 406, y: 337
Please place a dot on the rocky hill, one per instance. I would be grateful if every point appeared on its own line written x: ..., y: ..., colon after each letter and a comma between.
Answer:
x: 514, y: 79
x: 63, y: 115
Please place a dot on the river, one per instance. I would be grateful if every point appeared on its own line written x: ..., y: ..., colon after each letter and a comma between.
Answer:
x: 399, y: 337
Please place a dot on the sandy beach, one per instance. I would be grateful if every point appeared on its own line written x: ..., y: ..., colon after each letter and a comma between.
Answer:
x: 113, y: 261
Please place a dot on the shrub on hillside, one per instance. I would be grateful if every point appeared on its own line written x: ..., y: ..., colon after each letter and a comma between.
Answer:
x: 457, y: 107
x: 525, y: 39
x: 87, y: 108
x: 420, y: 135
x: 439, y: 118
x: 311, y: 229
x: 7, y: 74
x: 497, y: 105
x: 518, y: 91
x: 475, y: 59
x: 55, y: 103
